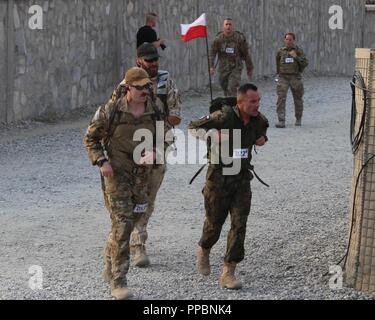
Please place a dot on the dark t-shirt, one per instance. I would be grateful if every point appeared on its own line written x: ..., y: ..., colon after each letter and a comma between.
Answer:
x: 146, y: 34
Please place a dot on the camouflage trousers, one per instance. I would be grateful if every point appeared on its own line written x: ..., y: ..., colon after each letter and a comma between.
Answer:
x: 126, y: 203
x: 225, y: 195
x: 230, y: 81
x: 296, y: 85
x: 139, y: 234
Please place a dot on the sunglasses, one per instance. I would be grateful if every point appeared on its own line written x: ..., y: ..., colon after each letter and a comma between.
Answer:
x: 152, y: 60
x: 141, y: 88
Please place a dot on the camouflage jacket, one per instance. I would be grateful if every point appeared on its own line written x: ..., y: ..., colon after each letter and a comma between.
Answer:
x: 231, y: 50
x: 229, y: 118
x: 111, y: 133
x: 286, y: 64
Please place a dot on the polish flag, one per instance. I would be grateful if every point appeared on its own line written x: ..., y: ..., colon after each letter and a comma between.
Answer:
x: 197, y: 29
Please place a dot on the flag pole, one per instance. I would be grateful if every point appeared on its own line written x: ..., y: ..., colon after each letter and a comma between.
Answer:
x: 208, y: 63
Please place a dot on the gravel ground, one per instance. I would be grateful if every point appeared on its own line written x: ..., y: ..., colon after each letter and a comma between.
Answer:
x: 52, y: 211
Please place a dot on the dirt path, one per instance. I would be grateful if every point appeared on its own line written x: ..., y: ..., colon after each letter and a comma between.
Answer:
x: 52, y: 213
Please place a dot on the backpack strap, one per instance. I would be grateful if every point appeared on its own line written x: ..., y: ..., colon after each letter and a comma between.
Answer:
x: 111, y: 127
x: 161, y: 91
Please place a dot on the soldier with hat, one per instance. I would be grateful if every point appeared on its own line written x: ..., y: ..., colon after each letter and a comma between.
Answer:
x: 110, y: 145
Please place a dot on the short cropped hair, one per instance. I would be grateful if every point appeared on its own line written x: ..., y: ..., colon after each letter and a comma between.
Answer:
x: 151, y: 16
x: 229, y: 19
x: 245, y: 88
x: 290, y: 34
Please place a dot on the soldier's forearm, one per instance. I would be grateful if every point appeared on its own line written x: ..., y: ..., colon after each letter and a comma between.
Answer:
x: 249, y: 67
x: 212, y: 61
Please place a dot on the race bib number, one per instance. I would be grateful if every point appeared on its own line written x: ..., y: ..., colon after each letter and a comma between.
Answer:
x: 240, y: 153
x: 229, y: 50
x: 140, y: 208
x: 289, y: 60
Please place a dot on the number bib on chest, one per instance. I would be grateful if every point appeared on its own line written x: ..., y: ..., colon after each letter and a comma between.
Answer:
x: 140, y: 208
x: 289, y: 60
x: 240, y: 154
x: 229, y: 50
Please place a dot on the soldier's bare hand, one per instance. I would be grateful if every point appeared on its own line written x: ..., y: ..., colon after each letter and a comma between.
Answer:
x: 293, y: 53
x: 148, y: 158
x: 174, y: 121
x: 212, y: 71
x: 261, y: 141
x: 106, y: 170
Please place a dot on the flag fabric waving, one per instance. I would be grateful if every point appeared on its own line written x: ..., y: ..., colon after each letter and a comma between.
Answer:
x: 197, y: 29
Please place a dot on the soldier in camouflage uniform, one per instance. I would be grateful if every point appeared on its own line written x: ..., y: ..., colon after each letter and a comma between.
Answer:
x: 168, y: 101
x: 231, y: 48
x: 225, y: 194
x: 290, y: 63
x: 109, y: 143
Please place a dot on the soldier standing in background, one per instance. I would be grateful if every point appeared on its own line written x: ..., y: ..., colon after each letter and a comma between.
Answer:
x: 148, y: 34
x: 290, y: 63
x: 232, y: 49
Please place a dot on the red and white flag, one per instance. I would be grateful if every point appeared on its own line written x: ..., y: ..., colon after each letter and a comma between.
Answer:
x: 197, y: 29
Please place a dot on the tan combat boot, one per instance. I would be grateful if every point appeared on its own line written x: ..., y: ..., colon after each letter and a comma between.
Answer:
x: 280, y: 124
x: 203, y: 261
x: 122, y: 293
x: 140, y: 257
x: 227, y: 278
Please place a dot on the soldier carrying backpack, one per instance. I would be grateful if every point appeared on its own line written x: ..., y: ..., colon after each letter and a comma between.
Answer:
x: 225, y: 194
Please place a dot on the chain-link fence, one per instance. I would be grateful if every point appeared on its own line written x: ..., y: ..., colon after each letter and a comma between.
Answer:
x: 360, y: 262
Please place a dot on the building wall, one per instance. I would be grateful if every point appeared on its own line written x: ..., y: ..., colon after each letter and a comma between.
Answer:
x: 70, y: 62
x: 3, y: 59
x: 369, y: 32
x: 85, y: 46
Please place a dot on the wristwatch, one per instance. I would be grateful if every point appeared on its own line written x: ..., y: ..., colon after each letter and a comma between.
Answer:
x: 100, y: 162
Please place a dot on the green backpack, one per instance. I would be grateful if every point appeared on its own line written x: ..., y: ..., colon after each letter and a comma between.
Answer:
x: 222, y: 103
x: 218, y: 103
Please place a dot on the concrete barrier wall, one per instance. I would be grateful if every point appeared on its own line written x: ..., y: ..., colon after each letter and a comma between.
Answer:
x: 369, y: 34
x: 3, y: 59
x: 67, y: 64
x: 86, y: 45
x: 337, y: 47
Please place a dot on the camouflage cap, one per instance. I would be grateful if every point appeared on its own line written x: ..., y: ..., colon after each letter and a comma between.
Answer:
x: 136, y: 77
x: 147, y: 51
